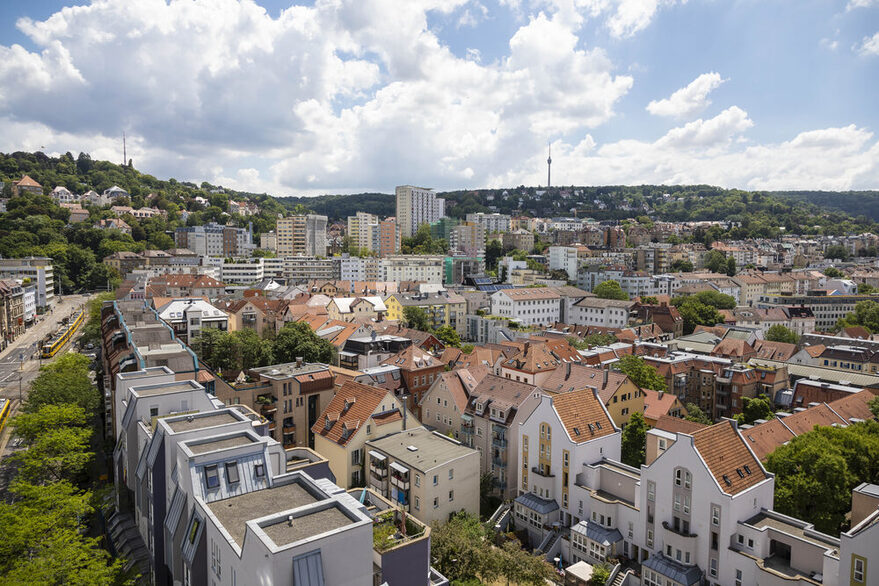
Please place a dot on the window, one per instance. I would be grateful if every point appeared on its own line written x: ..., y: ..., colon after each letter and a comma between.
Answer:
x: 259, y: 470
x: 650, y: 538
x: 435, y: 479
x: 451, y: 473
x: 232, y: 472
x: 712, y: 567
x: 368, y: 429
x: 212, y: 478
x: 740, y: 539
x: 859, y: 568
x: 436, y: 502
x: 651, y: 490
x: 451, y: 495
x: 715, y: 515
x: 418, y: 480
x: 738, y: 578
x: 417, y: 503
x: 687, y: 504
x: 193, y: 530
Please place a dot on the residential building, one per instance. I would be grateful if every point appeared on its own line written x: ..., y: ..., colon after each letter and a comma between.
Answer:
x: 659, y: 404
x: 269, y: 241
x: 184, y: 285
x: 62, y: 195
x: 429, y: 475
x: 417, y: 206
x: 467, y: 238
x: 26, y: 184
x: 39, y: 272
x: 605, y: 313
x: 389, y: 237
x: 418, y: 370
x: 303, y: 235
x: 411, y: 267
x: 443, y: 309
x: 189, y: 316
x: 621, y: 396
x: 360, y: 309
x: 519, y: 239
x: 300, y: 269
x: 564, y: 258
x: 357, y: 414
x: 444, y: 404
x: 363, y: 231
x: 303, y: 390
x: 113, y: 224
x: 492, y: 223
x: 529, y: 306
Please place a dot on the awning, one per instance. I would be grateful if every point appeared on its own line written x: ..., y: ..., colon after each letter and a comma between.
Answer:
x: 377, y: 456
x: 399, y: 468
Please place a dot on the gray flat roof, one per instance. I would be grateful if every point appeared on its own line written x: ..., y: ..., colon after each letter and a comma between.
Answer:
x: 431, y: 450
x: 201, y: 421
x: 307, y: 525
x: 233, y: 513
x: 762, y: 519
x: 288, y: 369
x: 220, y: 443
x: 166, y: 388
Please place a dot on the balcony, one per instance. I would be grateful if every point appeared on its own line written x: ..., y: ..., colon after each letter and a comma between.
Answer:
x: 499, y: 442
x: 544, y: 473
x: 499, y: 462
x: 378, y: 472
x: 681, y: 532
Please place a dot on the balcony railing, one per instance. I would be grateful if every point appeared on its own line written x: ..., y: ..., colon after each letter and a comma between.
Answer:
x: 546, y: 474
x: 380, y: 472
x: 499, y: 442
x: 400, y: 482
x: 499, y: 462
x: 679, y: 531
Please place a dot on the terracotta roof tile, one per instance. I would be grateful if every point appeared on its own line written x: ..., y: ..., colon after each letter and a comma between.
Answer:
x: 726, y: 455
x: 583, y: 415
x: 657, y: 404
x: 575, y: 377
x: 766, y: 437
x: 677, y: 425
x: 351, y: 406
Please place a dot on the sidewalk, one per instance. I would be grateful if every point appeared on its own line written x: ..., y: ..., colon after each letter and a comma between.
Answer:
x: 45, y: 324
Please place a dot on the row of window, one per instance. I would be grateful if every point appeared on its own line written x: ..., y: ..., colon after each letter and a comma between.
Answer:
x: 212, y: 473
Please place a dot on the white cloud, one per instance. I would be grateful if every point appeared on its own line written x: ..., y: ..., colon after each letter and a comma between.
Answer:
x: 852, y: 4
x: 688, y: 100
x: 869, y: 46
x: 323, y: 99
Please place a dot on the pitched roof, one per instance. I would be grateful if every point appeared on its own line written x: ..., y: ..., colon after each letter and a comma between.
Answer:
x: 657, y: 404
x: 412, y: 358
x: 351, y: 407
x: 726, y: 455
x: 677, y: 425
x: 574, y: 377
x: 765, y: 437
x: 781, y: 351
x: 529, y: 293
x: 583, y: 415
x: 26, y: 181
x: 500, y: 392
x: 535, y: 357
x: 816, y: 350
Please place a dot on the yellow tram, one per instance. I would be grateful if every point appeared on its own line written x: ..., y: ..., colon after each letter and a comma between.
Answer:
x: 63, y: 335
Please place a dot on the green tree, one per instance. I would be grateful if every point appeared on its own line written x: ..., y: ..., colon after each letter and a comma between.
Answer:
x: 713, y: 298
x: 649, y: 300
x: 779, y: 333
x: 633, y: 443
x: 600, y: 574
x: 866, y: 314
x: 715, y: 261
x: 834, y: 273
x: 610, y: 290
x: 251, y: 351
x: 591, y: 340
x: 695, y: 313
x: 865, y: 289
x: 754, y: 409
x: 642, y: 374
x: 66, y: 380
x: 416, y: 318
x: 57, y: 442
x: 682, y: 266
x: 459, y: 548
x: 816, y: 472
x: 836, y: 251
x: 731, y: 267
x: 695, y: 413
x: 297, y: 339
x: 494, y: 250
x: 448, y: 336
x: 520, y: 567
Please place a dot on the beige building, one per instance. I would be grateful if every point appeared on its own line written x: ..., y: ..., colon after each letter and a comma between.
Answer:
x: 445, y: 402
x: 416, y: 206
x: 621, y: 397
x: 356, y: 414
x: 430, y: 475
x: 304, y: 235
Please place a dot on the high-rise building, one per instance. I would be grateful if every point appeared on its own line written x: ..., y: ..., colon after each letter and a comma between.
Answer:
x: 467, y: 238
x: 416, y: 206
x: 302, y: 235
x: 363, y: 231
x: 36, y: 268
x: 389, y: 237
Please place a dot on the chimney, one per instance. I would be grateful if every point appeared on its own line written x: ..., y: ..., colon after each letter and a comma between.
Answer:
x: 299, y: 362
x: 606, y: 375
x: 567, y: 370
x: 661, y: 393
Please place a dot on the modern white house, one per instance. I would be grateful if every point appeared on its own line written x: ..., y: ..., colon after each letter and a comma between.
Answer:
x: 532, y: 306
x: 605, y: 313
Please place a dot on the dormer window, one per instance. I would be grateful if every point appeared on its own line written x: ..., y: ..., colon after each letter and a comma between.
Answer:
x: 327, y: 423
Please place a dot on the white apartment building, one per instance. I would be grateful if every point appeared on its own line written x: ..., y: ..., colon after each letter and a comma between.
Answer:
x: 491, y: 222
x: 412, y: 267
x: 532, y: 306
x: 605, y: 313
x: 564, y: 258
x: 353, y: 268
x: 40, y: 272
x: 416, y: 206
x: 300, y: 269
x: 304, y: 235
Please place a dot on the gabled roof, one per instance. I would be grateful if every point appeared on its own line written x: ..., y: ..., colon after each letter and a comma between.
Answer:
x: 766, y: 437
x: 583, y: 415
x: 725, y: 453
x: 575, y: 377
x: 781, y: 351
x: 413, y: 358
x: 677, y: 425
x: 535, y: 357
x: 461, y: 383
x: 351, y: 407
x: 26, y: 181
x: 657, y: 404
x: 501, y: 393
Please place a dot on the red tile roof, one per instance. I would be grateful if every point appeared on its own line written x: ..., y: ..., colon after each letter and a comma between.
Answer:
x: 725, y: 453
x: 583, y: 415
x: 350, y: 408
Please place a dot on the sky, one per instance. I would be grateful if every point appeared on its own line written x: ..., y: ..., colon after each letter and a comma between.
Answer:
x: 345, y: 96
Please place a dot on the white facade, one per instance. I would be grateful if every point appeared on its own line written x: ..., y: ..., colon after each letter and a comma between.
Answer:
x: 532, y: 306
x: 605, y: 313
x: 30, y: 303
x: 352, y: 268
x: 40, y: 272
x: 564, y: 258
x: 416, y: 206
x: 491, y: 222
x: 410, y: 267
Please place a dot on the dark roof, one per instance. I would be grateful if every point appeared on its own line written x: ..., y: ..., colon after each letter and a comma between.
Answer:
x: 686, y: 575
x: 535, y: 503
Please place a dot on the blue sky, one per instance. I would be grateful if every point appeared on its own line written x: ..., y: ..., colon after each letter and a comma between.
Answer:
x: 323, y: 97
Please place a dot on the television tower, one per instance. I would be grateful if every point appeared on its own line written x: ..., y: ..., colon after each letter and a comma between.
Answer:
x: 549, y: 167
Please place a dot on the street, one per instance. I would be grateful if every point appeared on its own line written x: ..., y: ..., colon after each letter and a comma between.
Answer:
x: 20, y: 364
